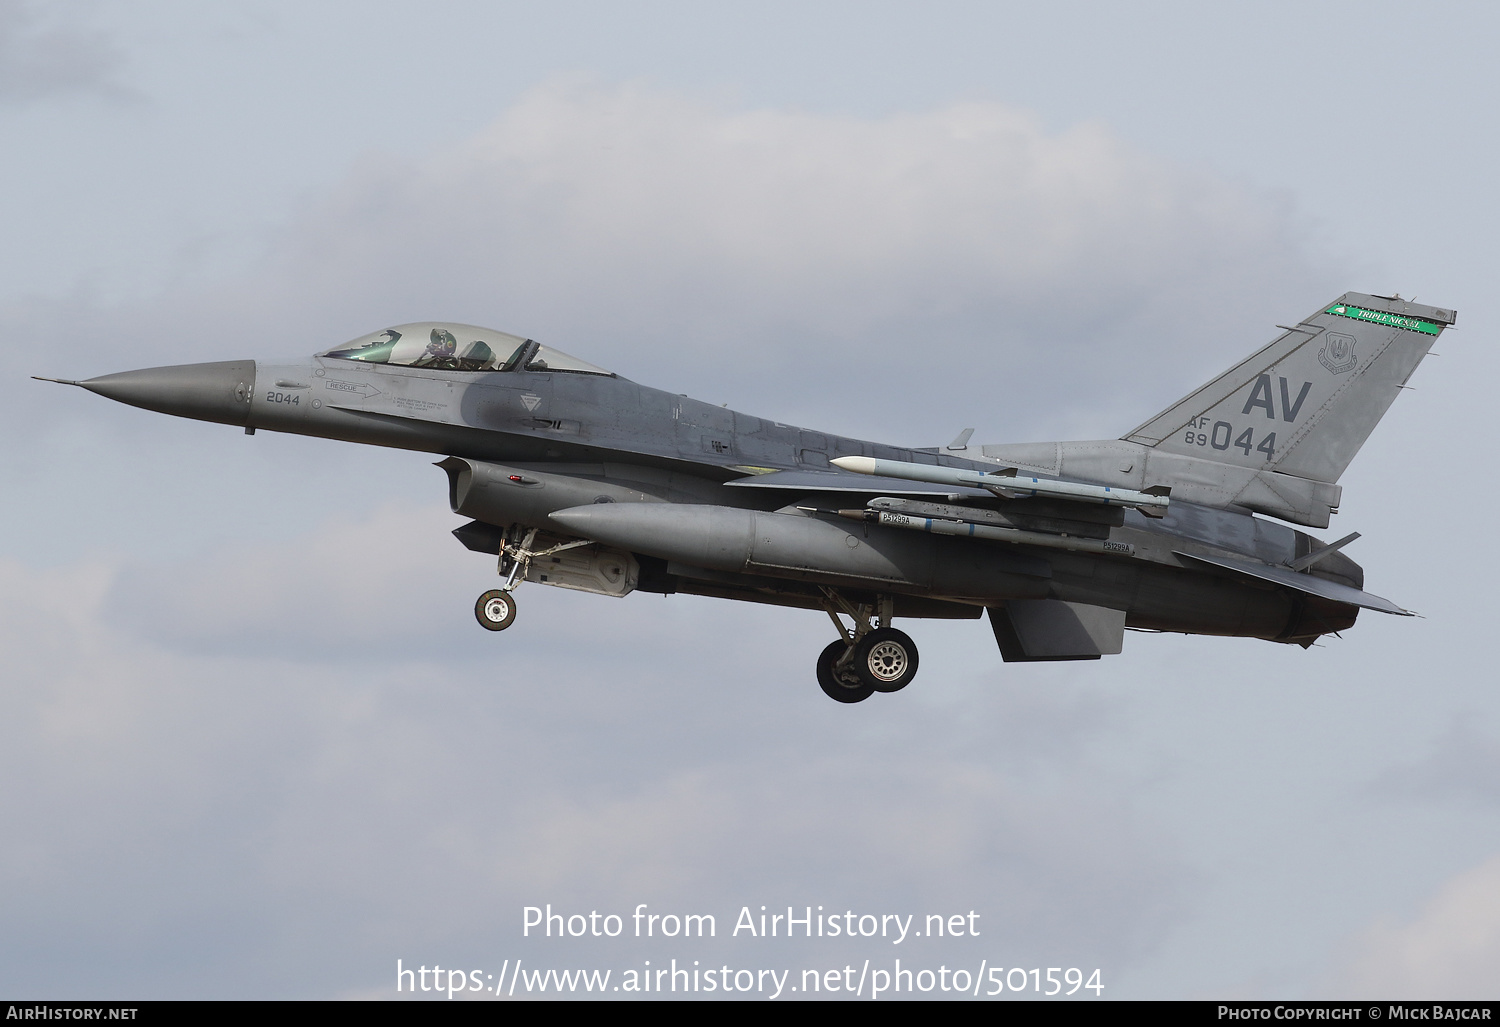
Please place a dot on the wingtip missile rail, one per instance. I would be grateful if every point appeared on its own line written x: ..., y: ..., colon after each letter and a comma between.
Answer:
x: 1009, y: 486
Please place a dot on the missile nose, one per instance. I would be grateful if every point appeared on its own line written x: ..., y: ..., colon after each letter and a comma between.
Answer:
x: 218, y: 391
x: 857, y: 464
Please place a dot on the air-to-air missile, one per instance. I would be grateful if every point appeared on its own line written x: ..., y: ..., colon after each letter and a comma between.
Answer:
x: 1009, y: 485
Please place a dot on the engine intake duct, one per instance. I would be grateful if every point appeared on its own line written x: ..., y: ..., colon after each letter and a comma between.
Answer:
x: 500, y: 494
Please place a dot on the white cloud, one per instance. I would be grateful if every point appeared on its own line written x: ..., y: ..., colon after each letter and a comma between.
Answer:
x: 936, y: 248
x: 1450, y: 950
x: 869, y: 275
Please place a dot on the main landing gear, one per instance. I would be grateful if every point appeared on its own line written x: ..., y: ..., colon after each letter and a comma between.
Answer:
x: 866, y: 659
x: 496, y: 609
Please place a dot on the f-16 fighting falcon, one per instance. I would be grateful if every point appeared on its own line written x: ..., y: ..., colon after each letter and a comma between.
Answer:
x: 571, y: 475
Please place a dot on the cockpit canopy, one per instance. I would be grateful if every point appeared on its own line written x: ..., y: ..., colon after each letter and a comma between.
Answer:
x: 454, y: 347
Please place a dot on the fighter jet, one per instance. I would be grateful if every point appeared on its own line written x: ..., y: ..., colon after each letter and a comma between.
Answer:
x: 571, y: 475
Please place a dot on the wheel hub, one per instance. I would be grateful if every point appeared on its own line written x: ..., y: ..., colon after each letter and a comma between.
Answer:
x: 887, y: 661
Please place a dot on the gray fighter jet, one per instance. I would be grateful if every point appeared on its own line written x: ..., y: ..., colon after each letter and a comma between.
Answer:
x: 574, y: 476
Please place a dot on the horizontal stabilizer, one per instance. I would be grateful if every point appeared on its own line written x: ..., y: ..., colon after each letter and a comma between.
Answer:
x: 1321, y: 587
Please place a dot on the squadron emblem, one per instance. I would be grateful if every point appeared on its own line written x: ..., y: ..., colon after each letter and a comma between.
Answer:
x: 1338, y: 353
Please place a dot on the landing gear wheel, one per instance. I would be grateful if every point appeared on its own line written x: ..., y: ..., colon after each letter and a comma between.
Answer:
x: 840, y: 684
x: 496, y: 610
x: 886, y: 660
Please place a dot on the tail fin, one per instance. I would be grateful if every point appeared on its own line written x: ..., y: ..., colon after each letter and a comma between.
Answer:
x: 1304, y: 405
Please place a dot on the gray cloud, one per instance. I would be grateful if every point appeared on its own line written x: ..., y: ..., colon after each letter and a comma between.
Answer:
x: 422, y: 801
x: 42, y: 56
x: 370, y: 589
x: 1463, y: 763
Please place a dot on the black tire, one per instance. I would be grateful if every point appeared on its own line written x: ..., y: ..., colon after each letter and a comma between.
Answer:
x: 495, y: 610
x: 842, y: 686
x: 886, y: 660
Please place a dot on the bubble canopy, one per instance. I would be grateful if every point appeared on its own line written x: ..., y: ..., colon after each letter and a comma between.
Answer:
x: 444, y: 346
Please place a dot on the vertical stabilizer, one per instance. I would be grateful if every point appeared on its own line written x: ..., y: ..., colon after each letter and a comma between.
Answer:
x: 1304, y: 405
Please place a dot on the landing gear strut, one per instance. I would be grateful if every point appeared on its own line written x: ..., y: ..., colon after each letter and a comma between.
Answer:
x: 866, y: 659
x: 496, y: 609
x: 840, y: 682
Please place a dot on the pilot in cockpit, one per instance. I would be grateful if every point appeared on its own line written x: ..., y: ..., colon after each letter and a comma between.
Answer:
x: 440, y: 351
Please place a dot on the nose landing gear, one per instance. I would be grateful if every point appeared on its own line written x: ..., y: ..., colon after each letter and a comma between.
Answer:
x: 496, y: 609
x: 866, y: 659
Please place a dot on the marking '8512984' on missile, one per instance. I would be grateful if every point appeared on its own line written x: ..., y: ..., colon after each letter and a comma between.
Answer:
x: 1221, y: 435
x: 942, y: 526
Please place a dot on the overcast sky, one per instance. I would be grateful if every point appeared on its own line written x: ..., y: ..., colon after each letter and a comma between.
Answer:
x: 252, y: 743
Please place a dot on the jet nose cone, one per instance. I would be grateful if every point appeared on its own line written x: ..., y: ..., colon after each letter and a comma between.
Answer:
x: 218, y: 391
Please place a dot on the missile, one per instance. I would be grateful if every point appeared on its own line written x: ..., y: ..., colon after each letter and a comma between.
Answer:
x: 969, y: 529
x: 1074, y: 519
x: 1009, y: 486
